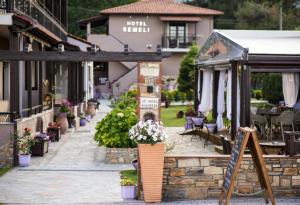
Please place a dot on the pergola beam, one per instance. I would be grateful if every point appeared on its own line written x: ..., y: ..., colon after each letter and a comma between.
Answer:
x: 75, y: 56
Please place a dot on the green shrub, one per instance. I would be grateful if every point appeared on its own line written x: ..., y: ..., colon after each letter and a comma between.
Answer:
x: 176, y: 95
x: 272, y: 88
x: 170, y: 96
x: 164, y: 95
x: 126, y: 100
x: 182, y: 97
x: 258, y: 94
x: 190, y: 95
x: 112, y: 131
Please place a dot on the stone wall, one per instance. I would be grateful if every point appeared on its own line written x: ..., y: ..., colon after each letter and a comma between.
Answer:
x: 120, y: 155
x: 201, y: 177
x: 31, y: 122
x: 6, y: 144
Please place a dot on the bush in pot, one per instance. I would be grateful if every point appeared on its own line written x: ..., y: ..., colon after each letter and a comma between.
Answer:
x: 24, y: 144
x: 149, y: 136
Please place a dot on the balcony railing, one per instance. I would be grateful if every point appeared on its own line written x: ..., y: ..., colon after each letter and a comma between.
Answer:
x: 3, y: 6
x: 43, y: 16
x: 178, y: 41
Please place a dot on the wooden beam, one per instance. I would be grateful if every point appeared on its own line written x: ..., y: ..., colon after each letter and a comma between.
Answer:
x: 40, y: 83
x: 29, y: 87
x: 75, y: 56
x: 245, y: 93
x: 234, y: 73
x: 196, y: 100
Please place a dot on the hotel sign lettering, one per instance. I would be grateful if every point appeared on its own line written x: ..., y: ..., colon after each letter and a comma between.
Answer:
x: 149, y: 103
x: 150, y: 69
x: 136, y: 27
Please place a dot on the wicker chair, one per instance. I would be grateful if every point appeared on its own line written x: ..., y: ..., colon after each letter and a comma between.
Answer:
x: 285, y: 120
x: 261, y: 123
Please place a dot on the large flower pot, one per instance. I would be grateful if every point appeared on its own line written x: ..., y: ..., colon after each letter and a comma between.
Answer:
x: 91, y: 109
x: 82, y: 122
x: 212, y: 127
x: 151, y: 158
x: 128, y: 192
x: 24, y: 160
x: 63, y: 122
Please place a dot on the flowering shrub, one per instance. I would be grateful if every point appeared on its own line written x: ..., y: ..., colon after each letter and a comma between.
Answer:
x: 25, y: 141
x: 148, y: 132
x: 65, y: 106
x: 112, y: 131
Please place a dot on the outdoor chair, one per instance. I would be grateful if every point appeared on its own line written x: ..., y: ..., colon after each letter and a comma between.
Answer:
x: 261, y: 123
x: 297, y: 120
x: 285, y: 121
x: 198, y: 125
x: 188, y: 123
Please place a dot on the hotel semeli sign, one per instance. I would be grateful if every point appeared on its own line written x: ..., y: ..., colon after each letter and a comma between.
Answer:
x: 150, y: 69
x: 136, y: 27
x: 149, y: 103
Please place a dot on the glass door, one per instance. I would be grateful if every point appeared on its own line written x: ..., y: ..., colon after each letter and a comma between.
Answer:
x: 177, y: 33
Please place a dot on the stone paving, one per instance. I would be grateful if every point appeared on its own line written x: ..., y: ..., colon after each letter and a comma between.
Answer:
x: 185, y: 144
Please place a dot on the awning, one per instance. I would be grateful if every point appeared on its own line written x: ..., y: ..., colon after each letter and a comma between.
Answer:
x: 180, y: 18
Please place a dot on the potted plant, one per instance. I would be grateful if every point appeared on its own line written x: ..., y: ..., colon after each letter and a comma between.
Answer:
x: 91, y: 108
x: 71, y: 119
x: 149, y: 136
x: 53, y: 131
x: 82, y: 120
x: 128, y: 188
x: 24, y: 143
x: 211, y: 125
x: 41, y: 145
x: 64, y: 109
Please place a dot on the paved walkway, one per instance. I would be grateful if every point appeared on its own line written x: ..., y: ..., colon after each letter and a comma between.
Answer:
x: 69, y: 173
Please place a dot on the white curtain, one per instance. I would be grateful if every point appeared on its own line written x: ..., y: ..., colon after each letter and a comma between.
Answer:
x: 228, y: 98
x: 228, y: 95
x: 221, y: 106
x: 199, y: 84
x: 290, y: 87
x: 206, y: 99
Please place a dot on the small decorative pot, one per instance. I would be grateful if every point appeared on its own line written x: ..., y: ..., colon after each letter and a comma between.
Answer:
x: 135, y: 164
x: 82, y: 122
x: 63, y: 121
x: 91, y: 109
x: 24, y: 160
x: 128, y: 192
x: 212, y: 127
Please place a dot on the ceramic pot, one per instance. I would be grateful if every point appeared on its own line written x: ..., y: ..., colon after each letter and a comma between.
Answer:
x: 24, y: 160
x: 91, y: 109
x: 135, y: 164
x: 212, y: 127
x: 82, y: 122
x: 63, y: 122
x: 151, y: 158
x: 128, y: 192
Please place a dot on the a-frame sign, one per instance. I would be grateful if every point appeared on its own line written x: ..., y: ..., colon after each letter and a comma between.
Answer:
x: 246, y: 138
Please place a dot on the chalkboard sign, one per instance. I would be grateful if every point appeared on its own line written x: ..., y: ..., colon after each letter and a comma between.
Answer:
x: 245, y: 137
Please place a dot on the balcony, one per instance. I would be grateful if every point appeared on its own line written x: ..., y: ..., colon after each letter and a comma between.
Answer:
x: 178, y: 42
x: 38, y: 11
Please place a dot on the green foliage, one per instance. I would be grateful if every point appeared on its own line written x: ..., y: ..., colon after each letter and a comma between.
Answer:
x: 127, y: 99
x: 176, y: 95
x: 272, y: 88
x: 169, y: 118
x: 112, y: 131
x: 258, y: 94
x: 3, y: 170
x: 182, y: 97
x: 128, y: 178
x: 186, y: 77
x: 190, y: 95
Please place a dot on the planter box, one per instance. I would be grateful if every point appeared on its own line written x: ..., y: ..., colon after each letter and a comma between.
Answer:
x: 120, y: 155
x: 40, y: 148
x: 54, y: 133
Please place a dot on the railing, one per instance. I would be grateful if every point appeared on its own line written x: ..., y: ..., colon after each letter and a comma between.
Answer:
x: 43, y: 16
x: 3, y: 6
x: 178, y: 41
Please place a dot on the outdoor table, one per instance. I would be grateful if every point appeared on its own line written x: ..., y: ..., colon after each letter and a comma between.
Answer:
x: 269, y: 114
x: 272, y: 147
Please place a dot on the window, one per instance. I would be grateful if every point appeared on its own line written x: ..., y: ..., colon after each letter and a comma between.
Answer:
x: 34, y: 74
x: 177, y: 35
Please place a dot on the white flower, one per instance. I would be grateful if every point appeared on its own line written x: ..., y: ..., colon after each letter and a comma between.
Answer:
x: 120, y: 114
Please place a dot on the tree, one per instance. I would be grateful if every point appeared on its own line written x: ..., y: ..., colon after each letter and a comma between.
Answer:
x: 186, y: 78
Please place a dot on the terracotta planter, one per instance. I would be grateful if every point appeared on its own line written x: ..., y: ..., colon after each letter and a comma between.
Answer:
x: 63, y: 122
x: 91, y: 109
x: 152, y: 160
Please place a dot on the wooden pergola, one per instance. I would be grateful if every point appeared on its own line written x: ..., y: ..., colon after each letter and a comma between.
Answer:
x: 222, y: 51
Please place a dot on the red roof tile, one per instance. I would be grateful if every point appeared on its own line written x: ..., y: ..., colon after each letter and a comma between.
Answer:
x: 167, y: 7
x: 180, y: 18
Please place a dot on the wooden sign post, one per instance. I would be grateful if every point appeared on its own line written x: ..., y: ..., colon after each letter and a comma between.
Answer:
x: 246, y: 137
